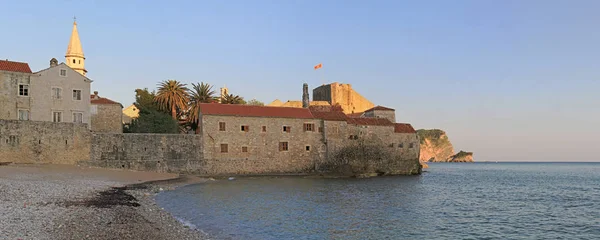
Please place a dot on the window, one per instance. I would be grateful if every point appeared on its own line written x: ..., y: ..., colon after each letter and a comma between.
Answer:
x: 391, y: 145
x: 309, y: 127
x: 63, y: 72
x: 401, y: 145
x: 23, y: 114
x: 244, y: 149
x: 77, y: 117
x: 73, y: 60
x: 23, y: 90
x: 56, y: 93
x: 221, y: 126
x: 320, y: 129
x: 283, y: 146
x: 264, y: 128
x: 57, y: 116
x: 245, y: 128
x: 76, y: 94
x: 411, y: 145
x: 287, y: 129
x: 223, y: 148
x: 353, y: 137
x: 307, y: 148
x: 79, y: 61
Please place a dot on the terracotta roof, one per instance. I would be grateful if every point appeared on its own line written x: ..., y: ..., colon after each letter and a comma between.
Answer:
x: 328, y: 112
x: 380, y: 108
x: 253, y: 111
x: 100, y: 100
x: 370, y: 121
x: 404, y: 128
x: 11, y: 66
x: 355, y: 115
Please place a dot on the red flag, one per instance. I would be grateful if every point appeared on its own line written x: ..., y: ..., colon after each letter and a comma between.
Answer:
x: 320, y: 65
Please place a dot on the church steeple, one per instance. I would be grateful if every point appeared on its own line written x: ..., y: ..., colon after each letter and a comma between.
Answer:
x: 74, y: 56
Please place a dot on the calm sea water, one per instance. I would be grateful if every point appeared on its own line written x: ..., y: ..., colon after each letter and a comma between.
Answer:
x: 449, y: 201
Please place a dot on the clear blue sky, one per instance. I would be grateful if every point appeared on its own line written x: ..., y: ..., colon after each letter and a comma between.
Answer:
x: 509, y: 80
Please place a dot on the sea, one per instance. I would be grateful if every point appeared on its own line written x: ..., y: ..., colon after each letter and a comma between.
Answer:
x: 448, y: 201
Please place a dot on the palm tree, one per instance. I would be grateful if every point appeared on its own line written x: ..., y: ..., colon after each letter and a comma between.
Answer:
x: 233, y: 99
x: 172, y: 95
x: 200, y: 93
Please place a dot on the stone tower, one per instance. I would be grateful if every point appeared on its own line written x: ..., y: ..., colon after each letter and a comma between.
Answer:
x: 305, y: 96
x: 224, y: 93
x: 74, y: 57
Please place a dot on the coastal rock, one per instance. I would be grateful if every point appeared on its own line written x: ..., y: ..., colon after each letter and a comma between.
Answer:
x: 435, y: 145
x: 461, y: 156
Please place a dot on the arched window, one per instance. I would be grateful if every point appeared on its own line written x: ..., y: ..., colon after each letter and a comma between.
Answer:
x: 79, y: 61
x: 73, y: 60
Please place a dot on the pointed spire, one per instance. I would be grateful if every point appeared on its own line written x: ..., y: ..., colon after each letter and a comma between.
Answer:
x: 74, y: 49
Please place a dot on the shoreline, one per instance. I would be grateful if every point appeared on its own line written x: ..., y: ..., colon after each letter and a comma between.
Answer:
x: 71, y: 202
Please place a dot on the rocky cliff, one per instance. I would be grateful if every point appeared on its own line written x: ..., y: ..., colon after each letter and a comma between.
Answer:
x: 435, y: 145
x: 461, y: 156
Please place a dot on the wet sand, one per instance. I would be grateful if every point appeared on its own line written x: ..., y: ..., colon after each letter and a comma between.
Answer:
x: 70, y: 202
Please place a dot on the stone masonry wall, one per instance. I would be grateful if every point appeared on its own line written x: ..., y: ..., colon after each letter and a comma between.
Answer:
x: 106, y: 118
x: 372, y: 149
x: 263, y: 155
x: 43, y: 142
x: 147, y: 152
x: 10, y: 101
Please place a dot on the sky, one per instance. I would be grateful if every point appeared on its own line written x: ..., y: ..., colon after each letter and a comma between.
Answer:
x: 509, y: 80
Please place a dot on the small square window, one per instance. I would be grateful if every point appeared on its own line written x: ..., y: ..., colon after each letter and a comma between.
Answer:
x: 401, y: 145
x: 264, y: 128
x: 77, y: 117
x: 411, y: 145
x: 309, y: 127
x: 56, y: 93
x: 307, y: 148
x: 23, y: 90
x: 283, y: 146
x: 57, y: 116
x: 23, y: 114
x: 391, y: 145
x: 244, y: 149
x: 287, y: 129
x: 223, y: 148
x: 221, y: 126
x: 245, y: 128
x: 63, y: 72
x: 76, y: 94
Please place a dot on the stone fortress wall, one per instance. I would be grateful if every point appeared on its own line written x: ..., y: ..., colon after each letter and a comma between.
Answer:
x: 44, y: 142
x: 251, y: 152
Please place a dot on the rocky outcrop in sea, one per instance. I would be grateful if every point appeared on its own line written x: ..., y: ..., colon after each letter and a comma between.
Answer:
x: 436, y: 147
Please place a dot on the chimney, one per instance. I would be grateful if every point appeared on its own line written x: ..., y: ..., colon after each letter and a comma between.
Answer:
x: 305, y: 97
x: 53, y: 62
x: 96, y: 95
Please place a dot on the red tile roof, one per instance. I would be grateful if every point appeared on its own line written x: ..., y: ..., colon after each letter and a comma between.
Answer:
x: 11, y: 66
x: 381, y: 108
x: 404, y: 128
x: 253, y: 111
x: 326, y: 112
x: 355, y: 115
x: 370, y: 121
x: 100, y: 100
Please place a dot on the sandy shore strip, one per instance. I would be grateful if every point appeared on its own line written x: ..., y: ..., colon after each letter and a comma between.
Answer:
x: 70, y: 202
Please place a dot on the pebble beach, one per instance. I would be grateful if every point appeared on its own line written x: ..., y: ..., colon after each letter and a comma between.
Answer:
x: 70, y: 202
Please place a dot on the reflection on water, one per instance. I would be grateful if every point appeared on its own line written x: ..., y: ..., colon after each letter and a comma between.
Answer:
x: 450, y: 201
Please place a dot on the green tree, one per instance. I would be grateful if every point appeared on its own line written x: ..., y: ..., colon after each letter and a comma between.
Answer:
x: 255, y: 102
x: 200, y: 93
x: 151, y: 119
x: 172, y: 96
x: 233, y: 99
